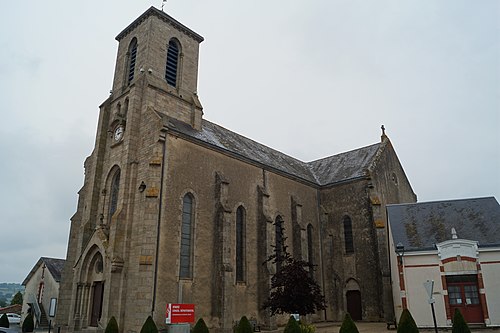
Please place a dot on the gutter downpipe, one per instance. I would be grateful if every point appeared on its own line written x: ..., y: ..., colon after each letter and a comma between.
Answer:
x: 321, y: 247
x: 163, y: 139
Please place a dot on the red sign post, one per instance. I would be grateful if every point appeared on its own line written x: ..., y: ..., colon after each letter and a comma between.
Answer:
x: 179, y: 313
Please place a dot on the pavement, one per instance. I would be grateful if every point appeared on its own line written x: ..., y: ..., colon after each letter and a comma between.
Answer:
x: 332, y: 327
x: 371, y: 327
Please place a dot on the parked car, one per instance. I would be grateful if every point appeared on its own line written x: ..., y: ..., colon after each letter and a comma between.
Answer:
x: 9, y: 330
x: 14, y: 318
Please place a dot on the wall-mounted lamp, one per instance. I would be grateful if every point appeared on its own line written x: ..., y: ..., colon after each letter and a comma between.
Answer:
x: 400, y: 250
x: 142, y: 187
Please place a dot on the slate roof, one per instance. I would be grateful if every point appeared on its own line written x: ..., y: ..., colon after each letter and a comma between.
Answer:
x: 419, y: 226
x: 54, y: 265
x: 350, y: 165
x: 333, y: 169
x: 163, y: 16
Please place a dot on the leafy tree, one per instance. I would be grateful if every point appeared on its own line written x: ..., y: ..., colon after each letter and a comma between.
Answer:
x: 28, y: 324
x: 200, y: 327
x: 17, y: 299
x: 348, y: 325
x: 459, y: 323
x: 112, y: 326
x: 149, y: 326
x: 244, y: 326
x: 4, y: 321
x: 293, y: 287
x: 292, y: 326
x: 406, y: 323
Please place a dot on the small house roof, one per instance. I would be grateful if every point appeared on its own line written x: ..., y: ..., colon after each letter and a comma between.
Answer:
x: 419, y: 226
x: 54, y: 266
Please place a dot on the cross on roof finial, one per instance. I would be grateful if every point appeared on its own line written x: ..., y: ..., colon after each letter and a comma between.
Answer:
x: 383, y: 129
x: 163, y: 4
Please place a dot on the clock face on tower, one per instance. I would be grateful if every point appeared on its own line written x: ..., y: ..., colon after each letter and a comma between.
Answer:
x: 118, y: 133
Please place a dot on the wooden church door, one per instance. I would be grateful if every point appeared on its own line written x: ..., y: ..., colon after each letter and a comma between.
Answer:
x: 96, y: 303
x: 354, y: 304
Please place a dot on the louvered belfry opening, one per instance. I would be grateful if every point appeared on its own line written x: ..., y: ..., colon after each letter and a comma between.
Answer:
x: 172, y: 63
x: 132, y: 60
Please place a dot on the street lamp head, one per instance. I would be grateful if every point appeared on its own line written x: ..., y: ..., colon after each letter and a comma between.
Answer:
x: 400, y: 249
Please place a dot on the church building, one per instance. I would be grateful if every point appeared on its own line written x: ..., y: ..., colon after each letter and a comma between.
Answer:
x: 177, y: 209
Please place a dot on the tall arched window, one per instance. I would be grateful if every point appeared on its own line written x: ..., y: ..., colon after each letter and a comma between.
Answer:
x: 186, y: 253
x: 348, y: 241
x: 279, y: 250
x: 310, y: 253
x: 113, y: 196
x: 172, y: 62
x: 132, y: 58
x: 240, y: 244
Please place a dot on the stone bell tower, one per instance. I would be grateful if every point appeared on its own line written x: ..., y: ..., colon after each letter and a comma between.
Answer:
x: 110, y: 267
x: 165, y: 52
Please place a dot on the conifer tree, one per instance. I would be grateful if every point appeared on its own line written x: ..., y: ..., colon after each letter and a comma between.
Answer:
x: 292, y: 326
x: 4, y: 321
x: 348, y: 325
x: 459, y: 323
x: 407, y: 323
x: 17, y: 299
x: 28, y: 324
x: 149, y: 326
x: 244, y: 326
x: 112, y: 326
x: 200, y: 327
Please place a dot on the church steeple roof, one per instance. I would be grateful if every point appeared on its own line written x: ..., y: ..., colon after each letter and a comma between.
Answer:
x: 163, y: 16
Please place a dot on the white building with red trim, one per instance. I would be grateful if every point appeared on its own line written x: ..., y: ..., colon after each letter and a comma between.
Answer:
x: 454, y: 243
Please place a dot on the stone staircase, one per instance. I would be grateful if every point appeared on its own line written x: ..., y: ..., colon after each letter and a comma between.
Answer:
x: 44, y: 321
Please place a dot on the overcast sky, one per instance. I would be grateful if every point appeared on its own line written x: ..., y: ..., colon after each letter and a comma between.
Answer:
x: 309, y: 78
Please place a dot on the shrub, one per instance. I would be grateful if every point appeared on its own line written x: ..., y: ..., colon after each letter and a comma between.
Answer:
x: 200, y: 326
x: 459, y: 323
x: 4, y: 321
x: 292, y: 326
x: 305, y: 328
x: 149, y: 326
x: 112, y: 326
x: 244, y: 326
x: 406, y: 323
x: 28, y: 324
x: 348, y: 325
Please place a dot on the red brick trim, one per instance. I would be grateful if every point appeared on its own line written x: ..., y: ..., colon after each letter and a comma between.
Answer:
x: 417, y: 266
x: 490, y: 262
x: 455, y: 259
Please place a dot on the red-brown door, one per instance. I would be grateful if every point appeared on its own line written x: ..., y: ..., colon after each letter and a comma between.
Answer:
x: 97, y: 294
x: 464, y: 296
x: 353, y: 298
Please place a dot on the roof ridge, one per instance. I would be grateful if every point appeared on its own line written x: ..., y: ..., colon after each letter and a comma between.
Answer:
x: 345, y: 152
x: 441, y: 201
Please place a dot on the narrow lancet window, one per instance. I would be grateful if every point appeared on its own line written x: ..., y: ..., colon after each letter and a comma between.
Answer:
x: 186, y: 252
x: 113, y: 197
x: 349, y: 244
x: 240, y: 244
x: 279, y: 250
x: 310, y: 254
